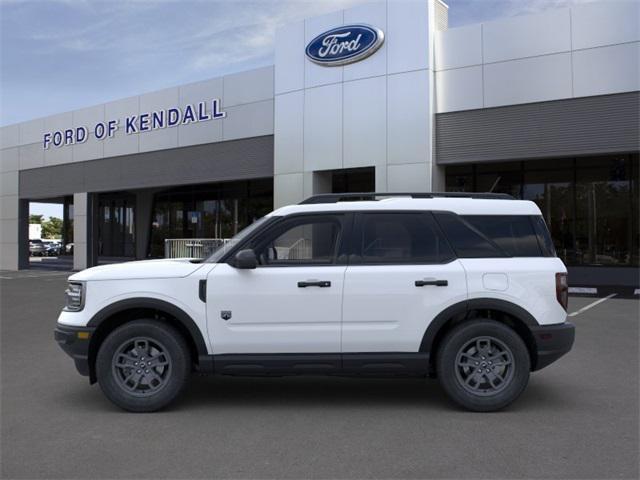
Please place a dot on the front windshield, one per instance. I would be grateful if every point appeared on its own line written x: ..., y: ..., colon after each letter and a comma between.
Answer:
x: 232, y: 242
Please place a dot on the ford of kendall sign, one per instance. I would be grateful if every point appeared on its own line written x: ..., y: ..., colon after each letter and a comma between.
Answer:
x: 139, y: 123
x: 343, y: 45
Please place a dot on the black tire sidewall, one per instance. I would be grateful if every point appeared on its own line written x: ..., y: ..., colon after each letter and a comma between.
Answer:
x: 177, y: 349
x: 446, y: 364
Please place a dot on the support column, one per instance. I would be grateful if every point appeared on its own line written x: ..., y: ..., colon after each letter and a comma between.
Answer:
x: 144, y: 211
x: 81, y: 231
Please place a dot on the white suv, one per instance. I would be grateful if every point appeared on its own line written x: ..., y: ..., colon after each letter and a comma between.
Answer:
x: 465, y: 287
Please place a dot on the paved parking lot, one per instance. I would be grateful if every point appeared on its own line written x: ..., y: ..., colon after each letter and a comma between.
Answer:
x: 577, y: 419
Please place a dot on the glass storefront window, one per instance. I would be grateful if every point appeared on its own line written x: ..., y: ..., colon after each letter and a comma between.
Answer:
x: 208, y: 211
x: 590, y: 204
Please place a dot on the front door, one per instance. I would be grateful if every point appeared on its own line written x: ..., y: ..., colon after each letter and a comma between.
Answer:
x: 292, y: 302
x: 403, y: 273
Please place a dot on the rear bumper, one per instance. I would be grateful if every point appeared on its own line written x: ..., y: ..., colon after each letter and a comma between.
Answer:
x: 552, y: 342
x: 74, y: 345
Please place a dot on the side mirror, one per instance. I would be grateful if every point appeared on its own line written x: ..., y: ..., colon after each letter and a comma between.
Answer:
x: 245, y: 259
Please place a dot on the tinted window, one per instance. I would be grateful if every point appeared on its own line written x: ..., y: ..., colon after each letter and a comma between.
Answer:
x: 313, y: 240
x: 512, y: 233
x: 544, y: 237
x: 467, y: 241
x: 401, y: 238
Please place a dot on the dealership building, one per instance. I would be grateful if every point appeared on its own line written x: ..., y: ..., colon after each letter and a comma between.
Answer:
x: 381, y: 97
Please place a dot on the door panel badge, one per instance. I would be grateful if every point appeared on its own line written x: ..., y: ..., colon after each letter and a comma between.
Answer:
x: 225, y: 314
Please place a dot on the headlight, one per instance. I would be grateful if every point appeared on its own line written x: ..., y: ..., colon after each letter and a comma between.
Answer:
x: 74, y: 297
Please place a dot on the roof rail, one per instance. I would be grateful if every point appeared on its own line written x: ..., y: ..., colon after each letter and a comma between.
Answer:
x: 338, y: 197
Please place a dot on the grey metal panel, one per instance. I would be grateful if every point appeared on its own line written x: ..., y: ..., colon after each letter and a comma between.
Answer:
x: 215, y: 162
x: 572, y: 127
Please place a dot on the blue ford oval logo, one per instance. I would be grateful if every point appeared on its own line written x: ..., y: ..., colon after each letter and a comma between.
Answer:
x: 343, y: 45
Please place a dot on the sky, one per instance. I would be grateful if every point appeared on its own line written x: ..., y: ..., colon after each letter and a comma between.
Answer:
x: 61, y: 55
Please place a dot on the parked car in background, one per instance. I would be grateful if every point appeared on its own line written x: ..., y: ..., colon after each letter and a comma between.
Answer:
x: 68, y: 248
x: 37, y: 248
x: 53, y: 248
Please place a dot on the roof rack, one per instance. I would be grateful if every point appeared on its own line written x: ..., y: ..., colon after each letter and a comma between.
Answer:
x: 338, y: 197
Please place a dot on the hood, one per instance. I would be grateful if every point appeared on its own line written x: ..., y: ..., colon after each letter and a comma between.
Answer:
x: 163, y: 268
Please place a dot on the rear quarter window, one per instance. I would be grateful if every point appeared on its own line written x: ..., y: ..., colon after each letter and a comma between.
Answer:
x: 514, y: 234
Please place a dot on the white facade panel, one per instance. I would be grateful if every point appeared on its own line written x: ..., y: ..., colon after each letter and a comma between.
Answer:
x: 249, y: 120
x: 9, y: 183
x: 86, y: 116
x: 9, y: 256
x: 247, y: 87
x: 91, y: 149
x: 9, y: 160
x: 289, y: 133
x: 201, y: 91
x: 528, y: 80
x: 8, y: 230
x: 57, y: 155
x: 323, y: 128
x: 458, y: 47
x: 287, y: 189
x: 526, y: 36
x: 289, y: 58
x: 375, y: 15
x: 415, y: 177
x: 365, y: 111
x: 198, y: 133
x: 604, y: 70
x: 8, y: 207
x: 10, y: 136
x: 605, y: 23
x: 163, y: 138
x: 459, y: 89
x: 121, y: 144
x: 407, y: 36
x: 31, y: 156
x: 408, y: 117
x: 32, y: 132
x: 316, y: 75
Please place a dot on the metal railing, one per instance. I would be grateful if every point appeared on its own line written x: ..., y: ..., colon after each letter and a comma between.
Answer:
x: 192, y: 247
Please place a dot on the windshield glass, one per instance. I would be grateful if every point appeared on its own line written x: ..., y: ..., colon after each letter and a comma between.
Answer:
x: 229, y: 244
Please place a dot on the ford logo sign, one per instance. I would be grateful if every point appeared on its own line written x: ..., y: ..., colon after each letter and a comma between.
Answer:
x: 343, y: 45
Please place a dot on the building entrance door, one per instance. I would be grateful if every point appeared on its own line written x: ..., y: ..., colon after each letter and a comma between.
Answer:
x: 116, y: 225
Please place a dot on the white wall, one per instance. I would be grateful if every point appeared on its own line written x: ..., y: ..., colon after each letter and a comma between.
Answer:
x: 372, y: 113
x: 589, y: 49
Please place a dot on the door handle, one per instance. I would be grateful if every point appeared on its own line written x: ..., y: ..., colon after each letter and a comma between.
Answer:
x: 437, y: 283
x: 314, y: 283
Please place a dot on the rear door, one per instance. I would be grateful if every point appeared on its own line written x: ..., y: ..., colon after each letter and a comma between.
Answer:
x: 401, y: 275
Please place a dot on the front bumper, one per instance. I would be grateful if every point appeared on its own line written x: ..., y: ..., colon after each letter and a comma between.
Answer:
x: 552, y: 342
x: 75, y: 343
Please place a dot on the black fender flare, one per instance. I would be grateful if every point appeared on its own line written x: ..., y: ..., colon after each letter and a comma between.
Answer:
x: 153, y: 303
x: 462, y: 308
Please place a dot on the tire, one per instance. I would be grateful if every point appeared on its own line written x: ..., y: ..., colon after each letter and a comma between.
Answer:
x: 139, y: 385
x: 483, y: 365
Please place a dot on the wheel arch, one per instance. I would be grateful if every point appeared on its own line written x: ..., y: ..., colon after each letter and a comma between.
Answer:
x: 124, y: 311
x: 500, y: 310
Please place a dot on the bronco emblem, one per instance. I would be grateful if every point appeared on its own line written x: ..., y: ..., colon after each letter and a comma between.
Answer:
x: 225, y: 314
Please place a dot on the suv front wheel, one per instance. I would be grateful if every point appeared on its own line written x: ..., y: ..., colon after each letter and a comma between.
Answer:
x: 483, y: 365
x: 143, y: 365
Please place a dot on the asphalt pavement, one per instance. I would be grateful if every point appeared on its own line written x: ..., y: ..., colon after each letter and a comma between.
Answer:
x: 578, y: 418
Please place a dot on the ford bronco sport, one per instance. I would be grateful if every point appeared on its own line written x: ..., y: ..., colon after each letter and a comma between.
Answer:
x: 463, y: 287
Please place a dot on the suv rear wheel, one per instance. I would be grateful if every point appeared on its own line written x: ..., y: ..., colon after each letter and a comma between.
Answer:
x: 143, y: 365
x: 483, y: 365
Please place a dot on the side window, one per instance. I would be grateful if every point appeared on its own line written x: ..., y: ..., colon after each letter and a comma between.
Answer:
x: 303, y: 241
x: 465, y: 239
x: 544, y: 237
x: 393, y: 238
x: 513, y: 233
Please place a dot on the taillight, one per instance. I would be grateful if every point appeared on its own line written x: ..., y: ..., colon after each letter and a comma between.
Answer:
x: 562, y: 289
